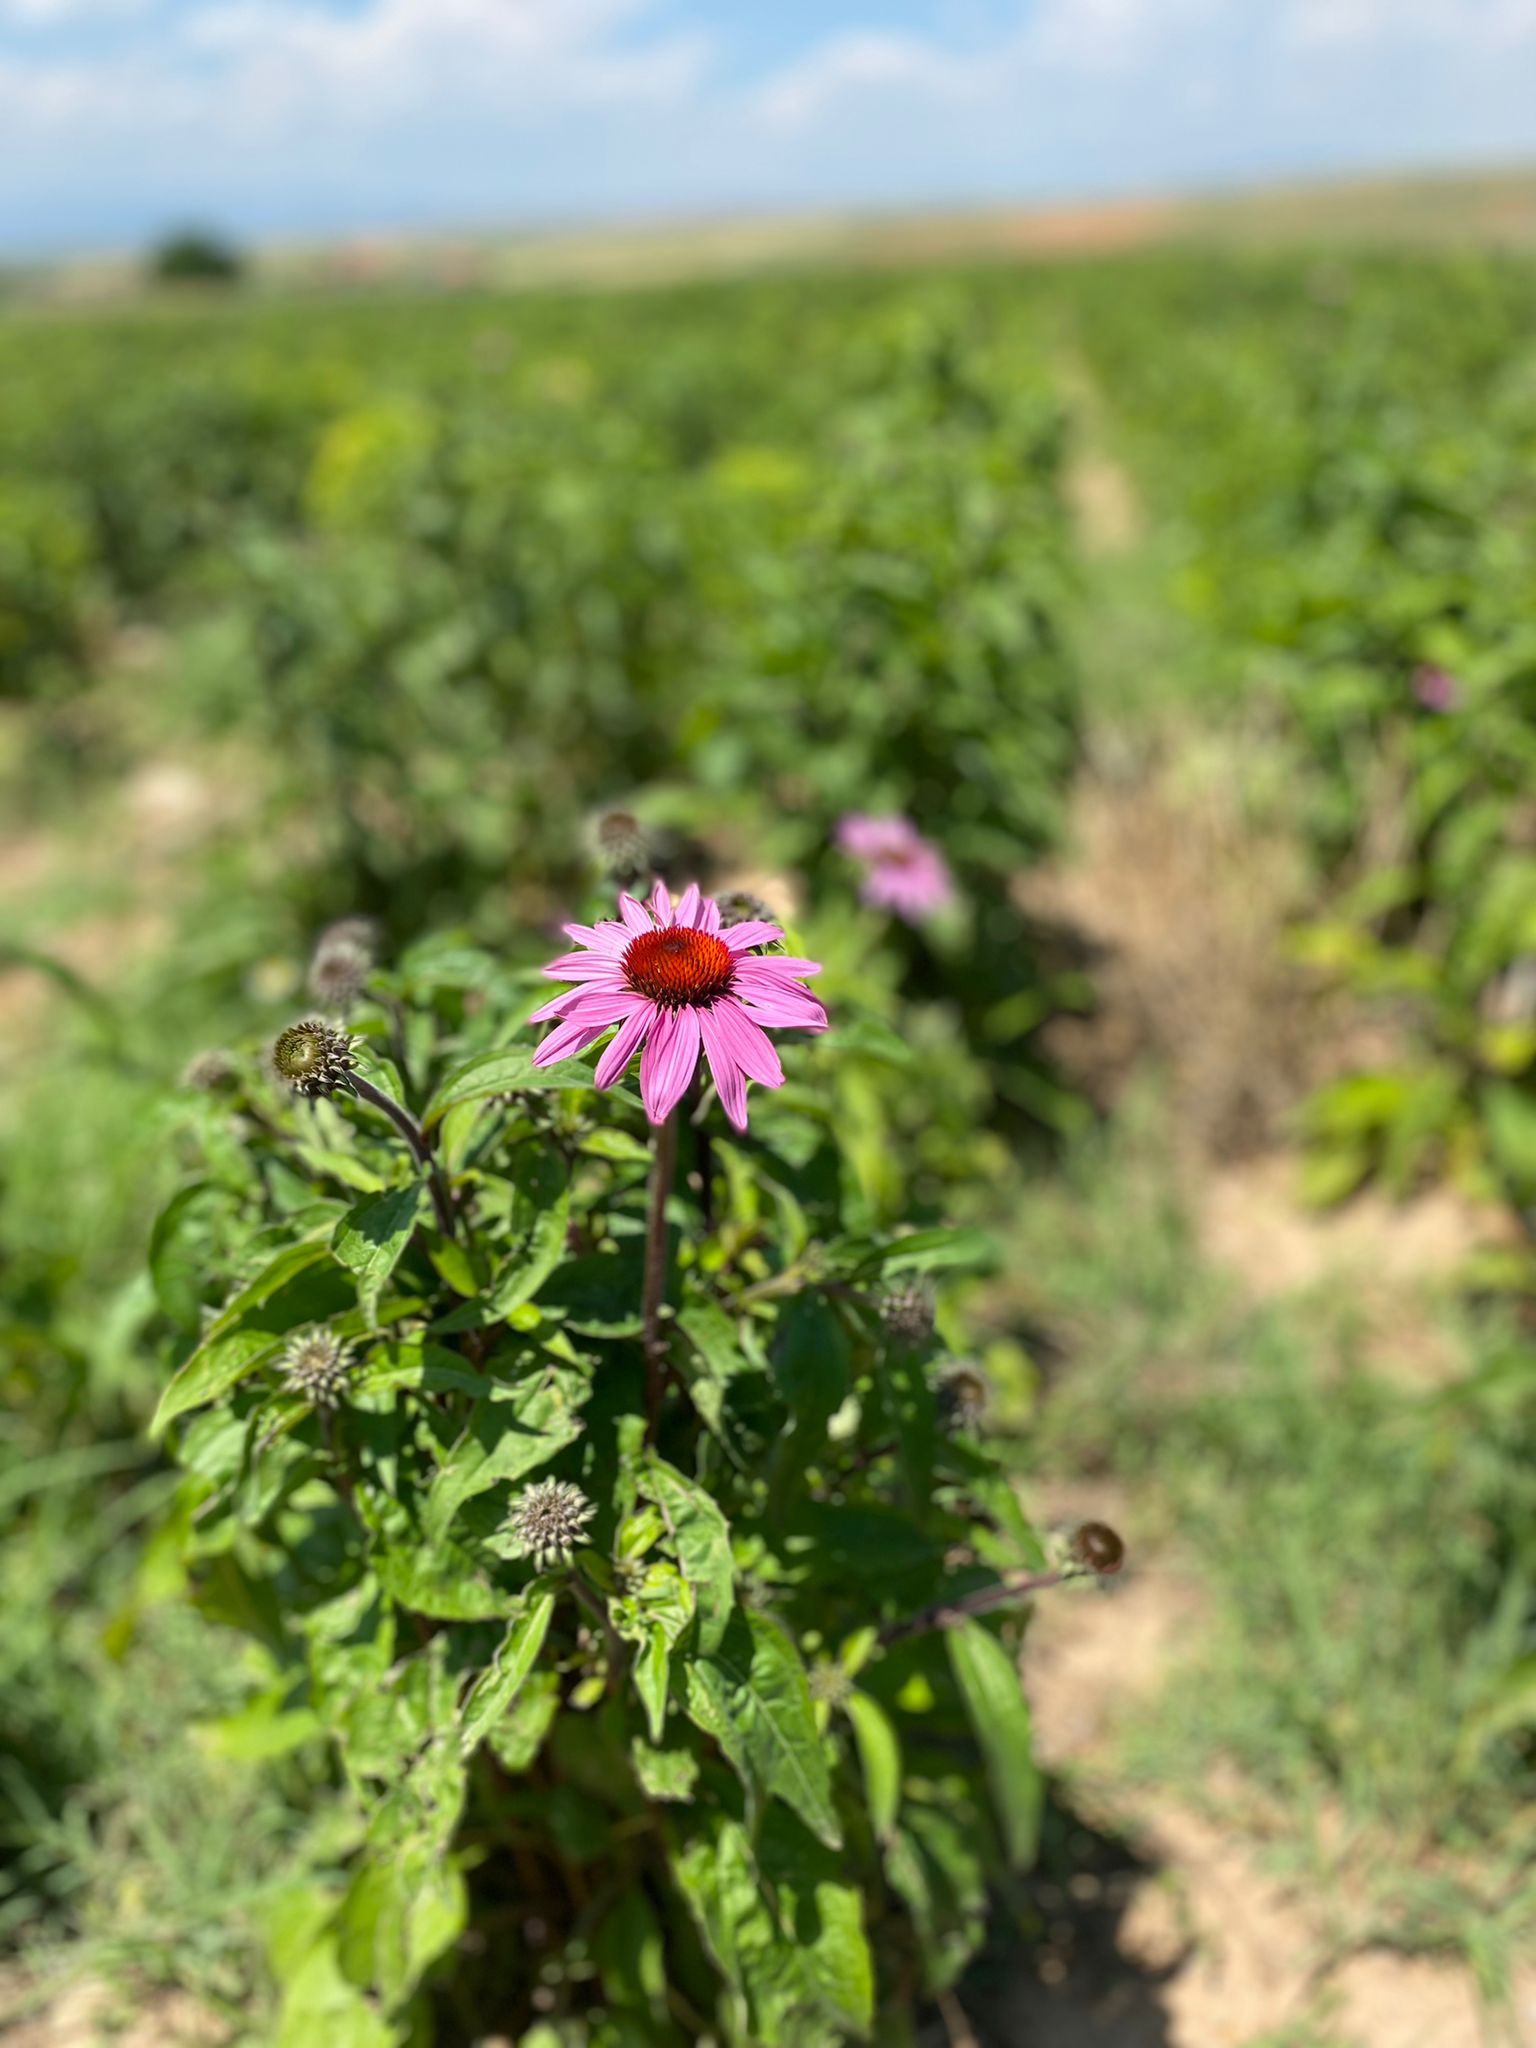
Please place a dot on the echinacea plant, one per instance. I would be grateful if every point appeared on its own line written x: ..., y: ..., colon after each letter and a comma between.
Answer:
x: 586, y: 1472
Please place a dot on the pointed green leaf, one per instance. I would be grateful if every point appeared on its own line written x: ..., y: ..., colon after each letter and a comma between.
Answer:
x: 994, y: 1699
x: 701, y: 1541
x: 499, y: 1685
x: 752, y: 1696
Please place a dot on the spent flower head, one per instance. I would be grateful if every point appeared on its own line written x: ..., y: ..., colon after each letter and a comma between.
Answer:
x: 622, y: 847
x: 548, y: 1520
x: 345, y: 954
x: 314, y: 1058
x: 965, y: 1394
x: 906, y: 1313
x: 210, y: 1072
x: 903, y: 871
x: 317, y: 1365
x: 676, y: 983
x: 1098, y: 1547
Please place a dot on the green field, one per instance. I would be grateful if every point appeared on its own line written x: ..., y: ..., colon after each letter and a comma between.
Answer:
x: 1182, y: 598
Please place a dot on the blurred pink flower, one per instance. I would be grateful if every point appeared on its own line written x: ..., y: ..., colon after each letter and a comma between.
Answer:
x: 674, y: 980
x: 903, y: 871
x: 1436, y: 688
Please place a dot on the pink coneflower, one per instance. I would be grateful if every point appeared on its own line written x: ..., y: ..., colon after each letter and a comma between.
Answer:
x: 903, y: 871
x: 1436, y: 688
x: 673, y: 980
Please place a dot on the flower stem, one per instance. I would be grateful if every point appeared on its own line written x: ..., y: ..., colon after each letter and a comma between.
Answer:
x: 663, y: 1167
x: 419, y: 1143
x: 950, y: 1613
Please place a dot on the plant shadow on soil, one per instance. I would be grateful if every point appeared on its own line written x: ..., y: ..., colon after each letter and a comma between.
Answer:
x: 1055, y: 1972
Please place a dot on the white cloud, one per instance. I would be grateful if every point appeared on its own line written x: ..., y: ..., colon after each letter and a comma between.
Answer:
x: 282, y: 114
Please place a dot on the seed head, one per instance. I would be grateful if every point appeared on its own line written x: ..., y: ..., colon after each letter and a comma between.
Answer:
x: 210, y: 1072
x: 314, y: 1058
x: 345, y: 954
x: 831, y: 1684
x: 548, y: 1521
x: 1098, y: 1547
x: 906, y: 1314
x: 740, y: 906
x: 317, y: 1365
x: 965, y: 1394
x: 623, y: 850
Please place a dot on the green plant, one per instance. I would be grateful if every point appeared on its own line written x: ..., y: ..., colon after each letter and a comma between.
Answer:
x: 605, y: 1517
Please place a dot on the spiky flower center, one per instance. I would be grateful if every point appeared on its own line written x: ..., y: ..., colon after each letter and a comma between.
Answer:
x: 314, y: 1059
x: 549, y: 1519
x: 678, y: 966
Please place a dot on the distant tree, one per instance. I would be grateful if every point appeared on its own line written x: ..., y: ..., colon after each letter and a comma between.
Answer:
x: 195, y: 256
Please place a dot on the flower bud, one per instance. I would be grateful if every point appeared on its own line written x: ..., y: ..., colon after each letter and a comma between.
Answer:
x: 314, y: 1059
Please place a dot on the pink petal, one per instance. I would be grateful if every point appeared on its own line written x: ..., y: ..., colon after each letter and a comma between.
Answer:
x: 661, y: 902
x: 583, y: 967
x: 687, y: 911
x: 573, y: 1036
x: 788, y: 1009
x: 741, y: 937
x: 709, y: 915
x: 777, y: 967
x: 636, y: 917
x: 671, y: 1056
x: 748, y: 1044
x: 625, y: 1042
x: 730, y: 1082
x: 603, y: 937
x: 589, y: 1005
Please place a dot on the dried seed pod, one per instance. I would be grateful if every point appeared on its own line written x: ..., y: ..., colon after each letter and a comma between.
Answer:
x: 1099, y: 1548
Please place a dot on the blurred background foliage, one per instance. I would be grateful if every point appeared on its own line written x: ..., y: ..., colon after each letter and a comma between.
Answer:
x: 314, y: 607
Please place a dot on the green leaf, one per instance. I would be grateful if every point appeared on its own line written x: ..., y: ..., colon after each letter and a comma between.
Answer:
x: 664, y: 1774
x: 501, y: 1072
x: 999, y: 1714
x: 370, y: 1239
x: 503, y: 1439
x: 650, y: 1679
x: 925, y: 1251
x: 752, y: 1696
x: 701, y: 1542
x: 630, y: 1955
x: 212, y: 1370
x: 499, y: 1685
x: 784, y: 1927
x: 442, y: 1582
x: 811, y: 1360
x: 545, y: 1248
x: 880, y: 1757
x: 180, y: 1250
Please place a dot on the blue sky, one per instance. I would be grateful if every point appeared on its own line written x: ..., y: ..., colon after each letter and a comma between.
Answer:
x: 314, y: 116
